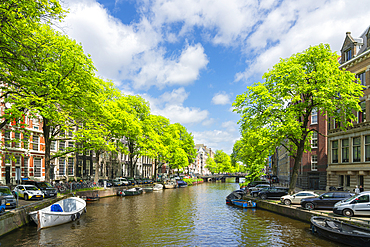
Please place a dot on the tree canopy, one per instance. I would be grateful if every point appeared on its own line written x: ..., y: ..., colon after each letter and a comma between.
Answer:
x: 278, y: 110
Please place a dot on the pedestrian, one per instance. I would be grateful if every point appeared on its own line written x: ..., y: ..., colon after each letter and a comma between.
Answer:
x: 361, y: 189
x: 357, y: 190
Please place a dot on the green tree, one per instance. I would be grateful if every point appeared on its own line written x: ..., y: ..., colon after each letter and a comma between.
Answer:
x: 211, y: 165
x: 20, y: 21
x: 223, y: 162
x: 294, y: 88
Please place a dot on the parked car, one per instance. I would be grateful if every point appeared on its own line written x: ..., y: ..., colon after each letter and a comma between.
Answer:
x: 2, y: 204
x: 131, y: 181
x: 148, y: 181
x: 254, y: 193
x: 259, y: 186
x: 45, y: 187
x: 8, y: 196
x: 124, y: 181
x: 139, y: 181
x: 255, y: 183
x: 28, y: 192
x: 115, y: 182
x: 273, y: 192
x: 326, y: 200
x: 297, y: 197
x: 355, y: 205
x: 101, y: 182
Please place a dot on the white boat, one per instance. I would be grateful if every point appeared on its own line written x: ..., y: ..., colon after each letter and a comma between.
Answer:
x: 63, y: 211
x: 158, y: 187
x: 170, y: 185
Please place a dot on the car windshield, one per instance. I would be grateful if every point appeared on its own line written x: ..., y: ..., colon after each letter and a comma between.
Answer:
x: 30, y: 188
x: 44, y: 185
x: 5, y: 192
x: 351, y: 198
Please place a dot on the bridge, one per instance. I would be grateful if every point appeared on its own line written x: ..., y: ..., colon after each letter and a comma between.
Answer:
x: 222, y: 177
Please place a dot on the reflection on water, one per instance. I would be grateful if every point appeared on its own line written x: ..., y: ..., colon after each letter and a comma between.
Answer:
x: 192, y: 216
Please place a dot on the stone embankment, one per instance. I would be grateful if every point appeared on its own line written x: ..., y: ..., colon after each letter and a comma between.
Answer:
x: 297, y: 212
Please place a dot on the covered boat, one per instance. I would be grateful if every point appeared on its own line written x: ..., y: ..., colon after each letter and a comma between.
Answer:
x: 181, y: 183
x: 170, y: 184
x: 243, y: 203
x: 130, y: 192
x: 340, y: 232
x: 236, y: 194
x: 61, y: 212
x: 158, y: 187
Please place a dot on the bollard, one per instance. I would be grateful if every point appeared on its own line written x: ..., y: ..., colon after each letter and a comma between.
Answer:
x: 105, y: 185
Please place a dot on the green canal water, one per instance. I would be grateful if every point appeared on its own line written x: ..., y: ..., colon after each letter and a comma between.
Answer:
x: 192, y: 216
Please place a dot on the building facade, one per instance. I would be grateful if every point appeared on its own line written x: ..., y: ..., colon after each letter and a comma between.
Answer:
x: 349, y: 151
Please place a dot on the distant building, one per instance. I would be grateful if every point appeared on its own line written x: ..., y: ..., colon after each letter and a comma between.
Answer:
x: 203, y: 153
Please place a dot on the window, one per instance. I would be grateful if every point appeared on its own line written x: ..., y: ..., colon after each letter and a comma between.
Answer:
x: 70, y: 166
x: 347, y: 55
x: 348, y: 180
x: 363, y: 199
x: 334, y: 151
x: 361, y: 115
x: 62, y: 166
x: 37, y: 167
x: 341, y: 180
x: 71, y: 145
x: 35, y: 143
x: 26, y: 139
x: 314, y: 140
x: 345, y: 150
x: 362, y: 78
x: 25, y: 169
x: 314, y: 116
x: 356, y: 149
x: 87, y: 167
x: 53, y: 145
x: 17, y: 140
x: 35, y: 123
x: 18, y: 161
x: 7, y: 140
x: 62, y: 145
x: 314, y: 163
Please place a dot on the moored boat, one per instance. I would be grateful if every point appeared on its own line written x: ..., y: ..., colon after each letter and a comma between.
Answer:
x: 130, y: 192
x: 61, y: 212
x: 243, y: 203
x: 340, y: 232
x: 181, y: 183
x: 158, y: 187
x: 170, y: 185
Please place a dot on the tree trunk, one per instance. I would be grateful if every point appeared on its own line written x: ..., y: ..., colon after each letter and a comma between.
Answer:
x: 46, y: 133
x: 96, y: 177
x: 297, y: 165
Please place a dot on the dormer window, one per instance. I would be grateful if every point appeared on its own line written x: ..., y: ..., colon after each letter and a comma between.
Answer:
x: 362, y: 78
x: 347, y: 55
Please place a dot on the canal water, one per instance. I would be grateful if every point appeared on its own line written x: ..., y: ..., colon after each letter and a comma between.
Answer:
x: 192, y: 216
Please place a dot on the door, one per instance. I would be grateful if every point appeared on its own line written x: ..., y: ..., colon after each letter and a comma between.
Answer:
x: 7, y: 174
x: 362, y: 205
x: 314, y: 183
x: 298, y: 197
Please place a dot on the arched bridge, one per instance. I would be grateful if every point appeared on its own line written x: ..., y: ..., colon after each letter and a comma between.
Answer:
x: 222, y: 177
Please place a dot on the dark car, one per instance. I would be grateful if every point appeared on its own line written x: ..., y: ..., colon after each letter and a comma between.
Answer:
x: 108, y: 183
x: 254, y: 183
x: 326, y: 200
x: 254, y: 193
x: 131, y: 181
x: 45, y: 187
x: 273, y: 192
x: 8, y: 196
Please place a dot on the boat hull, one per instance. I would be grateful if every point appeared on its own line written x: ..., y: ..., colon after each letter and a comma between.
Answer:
x: 130, y: 192
x: 72, y: 207
x: 340, y: 232
x: 243, y: 203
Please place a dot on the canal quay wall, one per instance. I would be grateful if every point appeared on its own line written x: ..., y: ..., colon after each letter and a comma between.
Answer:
x: 296, y: 212
x: 19, y: 217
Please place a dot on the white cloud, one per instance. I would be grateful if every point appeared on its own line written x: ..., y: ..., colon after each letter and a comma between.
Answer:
x: 132, y: 52
x: 217, y: 139
x: 170, y: 105
x: 221, y: 99
x: 296, y: 25
x: 208, y: 122
x: 229, y: 125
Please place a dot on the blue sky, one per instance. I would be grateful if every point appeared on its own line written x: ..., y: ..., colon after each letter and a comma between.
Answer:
x: 191, y: 58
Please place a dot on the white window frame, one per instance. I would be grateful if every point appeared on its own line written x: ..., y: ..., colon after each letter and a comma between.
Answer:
x: 53, y: 145
x: 8, y: 138
x: 17, y: 137
x: 314, y: 116
x: 25, y: 166
x: 62, y: 147
x: 314, y: 139
x: 313, y: 162
x: 35, y: 123
x: 62, y: 167
x: 36, y: 166
x: 71, y: 166
x: 34, y: 143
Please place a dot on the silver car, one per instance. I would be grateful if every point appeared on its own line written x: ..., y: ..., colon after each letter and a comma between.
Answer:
x: 355, y: 205
x: 297, y: 197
